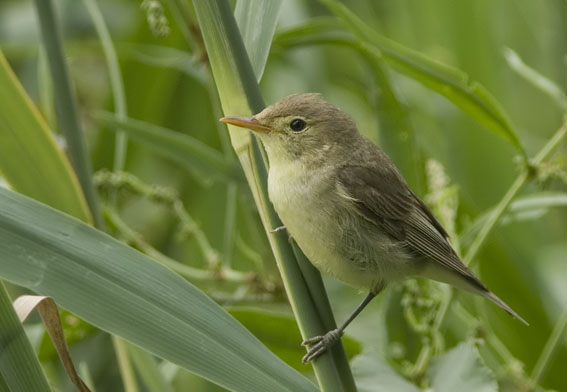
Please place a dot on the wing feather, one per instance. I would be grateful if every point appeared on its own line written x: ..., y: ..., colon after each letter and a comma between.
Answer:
x: 383, y: 198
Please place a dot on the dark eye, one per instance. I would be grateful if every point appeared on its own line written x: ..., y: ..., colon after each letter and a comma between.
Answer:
x: 297, y: 125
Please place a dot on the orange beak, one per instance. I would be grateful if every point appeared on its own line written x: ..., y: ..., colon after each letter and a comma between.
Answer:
x: 246, y: 122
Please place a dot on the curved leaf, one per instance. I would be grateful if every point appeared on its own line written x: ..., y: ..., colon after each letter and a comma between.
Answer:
x: 122, y: 291
x: 374, y: 375
x: 30, y: 161
x: 188, y: 151
x: 461, y: 369
x: 257, y: 23
x: 469, y: 95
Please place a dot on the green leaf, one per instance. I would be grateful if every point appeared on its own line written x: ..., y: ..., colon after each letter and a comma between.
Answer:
x: 20, y: 370
x: 148, y: 370
x: 461, y: 369
x: 257, y: 22
x: 372, y: 374
x: 281, y: 335
x: 124, y: 292
x: 184, y: 149
x: 450, y: 82
x: 535, y: 78
x: 163, y: 56
x: 30, y: 161
x: 66, y: 103
x: 529, y: 207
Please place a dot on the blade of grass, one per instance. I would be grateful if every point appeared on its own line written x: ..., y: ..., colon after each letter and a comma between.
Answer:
x: 239, y: 94
x: 550, y: 348
x: 120, y: 149
x: 162, y: 56
x: 30, y: 161
x: 535, y: 78
x: 125, y: 293
x: 45, y: 87
x: 450, y: 82
x: 66, y: 103
x: 186, y: 150
x: 125, y: 365
x: 20, y: 370
x: 255, y: 21
x: 540, y: 201
x: 147, y: 368
x: 116, y: 83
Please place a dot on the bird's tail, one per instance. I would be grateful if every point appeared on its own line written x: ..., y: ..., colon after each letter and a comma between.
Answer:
x: 491, y: 296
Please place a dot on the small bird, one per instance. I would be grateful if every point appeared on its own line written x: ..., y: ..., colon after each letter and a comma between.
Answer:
x: 347, y: 206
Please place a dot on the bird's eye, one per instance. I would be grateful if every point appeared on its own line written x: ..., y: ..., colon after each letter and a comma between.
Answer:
x: 297, y: 125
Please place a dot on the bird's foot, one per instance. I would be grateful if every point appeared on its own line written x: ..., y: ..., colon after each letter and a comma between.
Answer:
x: 320, y: 344
x: 277, y: 229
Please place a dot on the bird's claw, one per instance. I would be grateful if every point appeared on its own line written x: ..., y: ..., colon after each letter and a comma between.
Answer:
x: 320, y: 344
x: 277, y: 229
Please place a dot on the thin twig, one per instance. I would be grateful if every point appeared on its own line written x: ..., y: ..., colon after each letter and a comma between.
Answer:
x: 220, y: 273
x: 550, y: 348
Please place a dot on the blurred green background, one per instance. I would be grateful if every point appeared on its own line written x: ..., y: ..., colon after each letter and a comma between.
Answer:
x: 167, y: 83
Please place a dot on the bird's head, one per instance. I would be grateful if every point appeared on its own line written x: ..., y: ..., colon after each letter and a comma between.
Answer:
x: 299, y: 126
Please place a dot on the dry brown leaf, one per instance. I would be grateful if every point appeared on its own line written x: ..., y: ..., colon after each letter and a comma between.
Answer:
x: 47, y: 308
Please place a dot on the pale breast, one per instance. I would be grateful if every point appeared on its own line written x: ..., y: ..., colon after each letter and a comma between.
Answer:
x: 325, y: 225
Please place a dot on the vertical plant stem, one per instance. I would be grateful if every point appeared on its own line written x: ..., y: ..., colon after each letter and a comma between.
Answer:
x: 45, y: 89
x: 116, y: 82
x: 148, y: 369
x: 495, y: 217
x: 240, y: 94
x: 66, y: 103
x: 125, y: 365
x: 232, y: 188
x: 550, y: 348
x: 230, y: 223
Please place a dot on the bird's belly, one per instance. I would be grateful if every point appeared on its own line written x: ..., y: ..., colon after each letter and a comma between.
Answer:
x: 334, y: 238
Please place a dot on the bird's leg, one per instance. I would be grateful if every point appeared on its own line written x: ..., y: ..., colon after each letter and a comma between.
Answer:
x: 323, y: 342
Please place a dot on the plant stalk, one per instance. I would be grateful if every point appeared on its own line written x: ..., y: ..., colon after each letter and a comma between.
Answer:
x: 66, y: 104
x: 236, y: 83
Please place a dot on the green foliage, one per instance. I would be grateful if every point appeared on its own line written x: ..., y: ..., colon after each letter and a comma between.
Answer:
x: 27, y: 145
x: 461, y: 368
x: 452, y: 91
x: 124, y: 292
x: 19, y: 368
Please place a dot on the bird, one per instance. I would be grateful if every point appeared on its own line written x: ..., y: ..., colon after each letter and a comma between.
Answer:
x: 348, y: 207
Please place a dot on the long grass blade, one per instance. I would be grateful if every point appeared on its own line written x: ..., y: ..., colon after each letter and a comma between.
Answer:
x: 30, y: 160
x: 122, y: 291
x: 450, y: 82
x: 256, y: 22
x: 66, y: 103
x: 186, y: 150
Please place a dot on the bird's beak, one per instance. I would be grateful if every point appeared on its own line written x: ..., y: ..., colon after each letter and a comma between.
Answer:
x: 246, y: 122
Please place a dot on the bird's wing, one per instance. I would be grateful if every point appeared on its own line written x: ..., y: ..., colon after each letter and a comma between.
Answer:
x: 382, y: 197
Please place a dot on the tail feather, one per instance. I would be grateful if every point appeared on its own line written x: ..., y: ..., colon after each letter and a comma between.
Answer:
x: 491, y: 296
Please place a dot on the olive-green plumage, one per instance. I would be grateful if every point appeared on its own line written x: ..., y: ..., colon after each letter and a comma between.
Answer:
x: 347, y: 206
